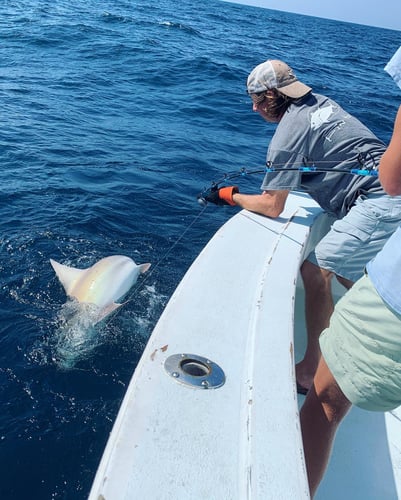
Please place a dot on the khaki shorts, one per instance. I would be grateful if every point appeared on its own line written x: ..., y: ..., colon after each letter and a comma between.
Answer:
x: 356, y: 238
x: 362, y: 348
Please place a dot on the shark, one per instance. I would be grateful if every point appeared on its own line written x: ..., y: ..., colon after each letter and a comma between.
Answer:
x: 102, y: 284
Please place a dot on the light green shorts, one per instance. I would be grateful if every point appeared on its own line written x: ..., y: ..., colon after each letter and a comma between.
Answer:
x: 362, y: 348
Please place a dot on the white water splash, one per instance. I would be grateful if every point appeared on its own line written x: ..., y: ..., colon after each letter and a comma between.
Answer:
x: 77, y: 334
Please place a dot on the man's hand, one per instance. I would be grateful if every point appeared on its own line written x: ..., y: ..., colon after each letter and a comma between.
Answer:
x: 220, y: 196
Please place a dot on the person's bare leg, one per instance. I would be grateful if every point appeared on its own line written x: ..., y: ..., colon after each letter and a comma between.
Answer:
x: 318, y: 309
x: 324, y: 408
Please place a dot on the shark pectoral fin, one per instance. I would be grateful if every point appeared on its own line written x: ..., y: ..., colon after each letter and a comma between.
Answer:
x: 108, y: 310
x: 67, y: 275
x: 144, y: 267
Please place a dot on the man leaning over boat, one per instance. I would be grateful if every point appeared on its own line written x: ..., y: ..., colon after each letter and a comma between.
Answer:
x: 314, y: 130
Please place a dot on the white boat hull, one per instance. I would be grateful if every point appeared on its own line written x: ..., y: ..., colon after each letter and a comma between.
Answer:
x: 234, y: 307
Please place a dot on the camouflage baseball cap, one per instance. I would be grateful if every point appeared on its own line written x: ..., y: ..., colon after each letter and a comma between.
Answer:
x: 274, y: 74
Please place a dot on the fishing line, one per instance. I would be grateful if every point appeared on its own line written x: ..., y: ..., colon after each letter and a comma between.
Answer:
x: 159, y: 262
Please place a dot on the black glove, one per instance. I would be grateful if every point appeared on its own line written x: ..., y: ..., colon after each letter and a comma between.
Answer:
x: 220, y: 196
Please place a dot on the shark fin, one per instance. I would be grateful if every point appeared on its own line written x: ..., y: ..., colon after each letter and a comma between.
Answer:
x: 108, y: 310
x: 68, y: 276
x: 144, y: 267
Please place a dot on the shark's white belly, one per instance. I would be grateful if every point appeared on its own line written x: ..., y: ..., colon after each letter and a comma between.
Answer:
x: 106, y: 282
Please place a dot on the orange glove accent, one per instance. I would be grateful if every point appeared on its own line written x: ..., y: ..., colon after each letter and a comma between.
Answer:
x: 226, y: 194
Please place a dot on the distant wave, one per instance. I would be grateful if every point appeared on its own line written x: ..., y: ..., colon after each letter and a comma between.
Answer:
x: 183, y: 27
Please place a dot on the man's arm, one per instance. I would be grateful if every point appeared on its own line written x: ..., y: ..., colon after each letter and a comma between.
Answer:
x: 390, y: 163
x: 269, y: 203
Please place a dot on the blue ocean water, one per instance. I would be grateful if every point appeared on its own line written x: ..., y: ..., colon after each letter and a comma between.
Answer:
x: 114, y: 115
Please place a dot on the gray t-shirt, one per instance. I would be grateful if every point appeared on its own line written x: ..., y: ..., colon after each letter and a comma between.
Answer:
x: 316, y: 131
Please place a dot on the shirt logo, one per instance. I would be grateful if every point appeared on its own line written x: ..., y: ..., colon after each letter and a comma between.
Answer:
x: 320, y: 116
